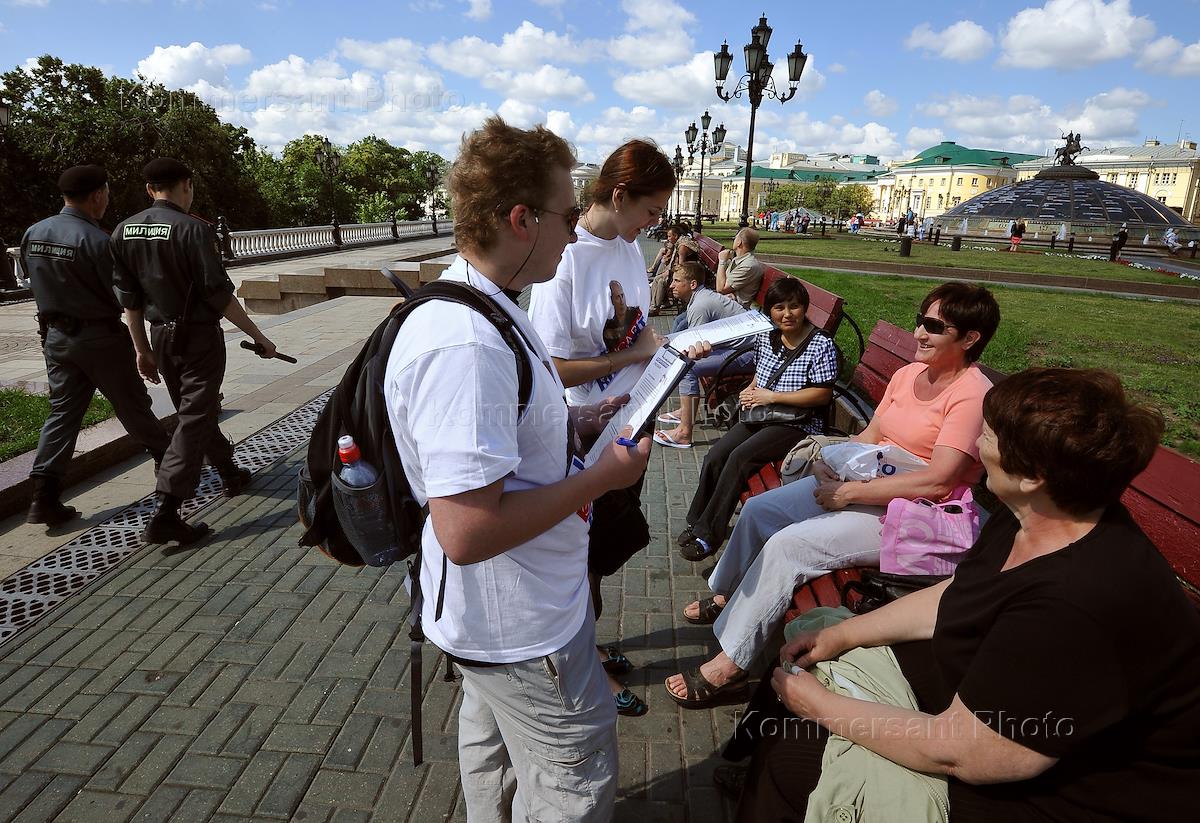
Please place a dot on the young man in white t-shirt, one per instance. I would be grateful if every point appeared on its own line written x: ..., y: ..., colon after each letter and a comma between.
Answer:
x: 509, y: 501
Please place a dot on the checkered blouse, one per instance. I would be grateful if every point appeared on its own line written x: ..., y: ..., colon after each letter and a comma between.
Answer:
x: 816, y: 367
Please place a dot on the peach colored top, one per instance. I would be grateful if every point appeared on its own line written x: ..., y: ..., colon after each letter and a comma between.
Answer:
x: 954, y: 418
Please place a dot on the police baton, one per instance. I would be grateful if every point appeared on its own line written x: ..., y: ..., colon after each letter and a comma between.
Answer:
x: 257, y: 349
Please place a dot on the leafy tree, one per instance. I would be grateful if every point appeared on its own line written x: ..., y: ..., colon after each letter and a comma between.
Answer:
x: 786, y: 196
x: 819, y: 194
x: 66, y: 114
x: 851, y: 198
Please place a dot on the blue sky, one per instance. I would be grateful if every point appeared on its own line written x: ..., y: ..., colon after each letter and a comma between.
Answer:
x: 883, y: 78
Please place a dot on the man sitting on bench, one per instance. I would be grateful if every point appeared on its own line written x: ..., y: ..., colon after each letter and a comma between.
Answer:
x: 703, y: 306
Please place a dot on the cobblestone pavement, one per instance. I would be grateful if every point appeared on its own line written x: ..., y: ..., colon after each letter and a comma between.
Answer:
x: 249, y: 679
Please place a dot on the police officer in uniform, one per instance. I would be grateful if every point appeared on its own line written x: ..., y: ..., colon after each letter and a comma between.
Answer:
x: 70, y: 268
x: 169, y: 271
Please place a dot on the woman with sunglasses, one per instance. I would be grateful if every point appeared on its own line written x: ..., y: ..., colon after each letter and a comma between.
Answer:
x: 933, y: 408
x: 593, y: 319
x: 1055, y: 678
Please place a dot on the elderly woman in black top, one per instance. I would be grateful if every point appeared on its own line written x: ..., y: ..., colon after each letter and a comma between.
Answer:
x: 1068, y: 654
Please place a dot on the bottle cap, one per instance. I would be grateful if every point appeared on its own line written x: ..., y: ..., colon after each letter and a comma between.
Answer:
x: 348, y: 449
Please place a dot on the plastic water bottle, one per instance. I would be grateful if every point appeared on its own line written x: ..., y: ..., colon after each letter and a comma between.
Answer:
x: 355, y: 472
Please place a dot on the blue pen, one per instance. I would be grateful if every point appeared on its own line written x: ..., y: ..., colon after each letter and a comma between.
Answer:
x: 625, y: 441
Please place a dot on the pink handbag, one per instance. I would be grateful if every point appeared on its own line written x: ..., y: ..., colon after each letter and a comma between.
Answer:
x: 923, y: 537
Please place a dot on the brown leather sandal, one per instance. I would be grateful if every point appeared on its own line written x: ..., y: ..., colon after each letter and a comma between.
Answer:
x: 709, y: 611
x: 704, y: 695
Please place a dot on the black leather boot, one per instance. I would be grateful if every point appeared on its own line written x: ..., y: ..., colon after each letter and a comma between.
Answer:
x: 46, y: 507
x: 166, y: 525
x: 235, y: 479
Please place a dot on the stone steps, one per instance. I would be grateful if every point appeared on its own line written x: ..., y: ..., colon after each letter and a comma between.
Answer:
x: 285, y: 292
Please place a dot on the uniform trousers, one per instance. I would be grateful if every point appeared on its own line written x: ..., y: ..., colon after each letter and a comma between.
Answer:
x: 98, y: 357
x: 193, y: 379
x: 537, y: 740
x: 783, y: 539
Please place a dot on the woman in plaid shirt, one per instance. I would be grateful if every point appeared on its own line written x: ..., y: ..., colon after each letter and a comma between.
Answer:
x: 805, y: 382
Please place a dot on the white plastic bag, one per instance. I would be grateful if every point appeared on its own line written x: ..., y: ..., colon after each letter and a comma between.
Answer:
x: 866, y: 461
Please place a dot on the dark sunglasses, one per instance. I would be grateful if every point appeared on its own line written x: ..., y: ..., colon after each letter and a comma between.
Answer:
x: 932, y: 324
x: 572, y: 216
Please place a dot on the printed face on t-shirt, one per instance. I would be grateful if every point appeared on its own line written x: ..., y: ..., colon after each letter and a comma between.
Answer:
x: 624, y: 324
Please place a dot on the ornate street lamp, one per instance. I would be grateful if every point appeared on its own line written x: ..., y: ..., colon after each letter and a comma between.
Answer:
x: 5, y: 115
x: 756, y: 83
x: 702, y: 148
x: 677, y: 164
x: 432, y: 177
x: 329, y: 159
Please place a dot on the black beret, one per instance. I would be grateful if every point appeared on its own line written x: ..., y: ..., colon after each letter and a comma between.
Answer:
x: 80, y: 180
x: 165, y: 171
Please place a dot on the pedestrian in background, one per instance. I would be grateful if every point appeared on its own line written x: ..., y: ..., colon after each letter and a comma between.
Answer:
x: 168, y: 270
x: 70, y: 269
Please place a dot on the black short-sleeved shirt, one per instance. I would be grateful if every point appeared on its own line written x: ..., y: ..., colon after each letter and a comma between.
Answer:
x: 162, y: 251
x: 70, y: 267
x: 1090, y: 654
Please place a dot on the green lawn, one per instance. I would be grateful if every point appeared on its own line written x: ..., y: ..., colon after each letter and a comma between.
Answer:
x: 849, y: 247
x: 1154, y: 346
x: 22, y: 416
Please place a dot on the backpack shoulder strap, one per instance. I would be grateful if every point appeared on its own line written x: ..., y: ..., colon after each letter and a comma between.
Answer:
x: 510, y: 332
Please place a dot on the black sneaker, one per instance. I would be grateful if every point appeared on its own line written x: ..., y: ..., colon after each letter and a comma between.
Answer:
x: 684, y: 537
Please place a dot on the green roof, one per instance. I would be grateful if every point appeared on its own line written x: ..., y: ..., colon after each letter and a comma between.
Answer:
x: 950, y: 153
x: 795, y: 176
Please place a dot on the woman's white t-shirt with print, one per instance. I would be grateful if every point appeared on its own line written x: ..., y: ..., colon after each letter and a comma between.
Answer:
x: 596, y: 304
x: 451, y: 392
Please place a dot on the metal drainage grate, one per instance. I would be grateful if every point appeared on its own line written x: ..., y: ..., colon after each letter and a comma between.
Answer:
x: 44, y: 583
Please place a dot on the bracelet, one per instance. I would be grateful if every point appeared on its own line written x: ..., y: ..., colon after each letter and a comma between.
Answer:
x: 611, y: 368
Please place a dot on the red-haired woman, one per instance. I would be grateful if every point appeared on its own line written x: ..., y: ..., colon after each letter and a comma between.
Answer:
x: 592, y: 317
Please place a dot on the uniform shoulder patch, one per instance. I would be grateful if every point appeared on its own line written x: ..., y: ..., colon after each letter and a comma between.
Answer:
x: 146, y: 231
x: 54, y: 251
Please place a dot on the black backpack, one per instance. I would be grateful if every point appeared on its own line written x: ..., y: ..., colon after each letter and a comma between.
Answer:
x: 384, y: 520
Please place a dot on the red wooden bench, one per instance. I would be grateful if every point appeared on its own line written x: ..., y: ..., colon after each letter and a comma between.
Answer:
x: 1164, y: 499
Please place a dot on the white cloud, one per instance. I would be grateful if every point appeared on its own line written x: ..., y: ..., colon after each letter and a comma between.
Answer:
x: 616, y: 125
x: 41, y: 4
x: 675, y: 87
x: 550, y: 4
x: 1167, y: 55
x: 837, y: 134
x: 322, y: 82
x: 1073, y: 33
x: 384, y: 55
x: 186, y: 67
x: 879, y: 104
x: 837, y: 68
x: 963, y: 41
x: 547, y: 83
x: 920, y: 138
x: 520, y: 113
x: 1022, y: 122
x: 658, y: 34
x: 476, y: 57
x: 479, y: 9
x: 560, y: 123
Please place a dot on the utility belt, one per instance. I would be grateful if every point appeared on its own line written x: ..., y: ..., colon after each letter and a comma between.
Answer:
x: 71, y: 325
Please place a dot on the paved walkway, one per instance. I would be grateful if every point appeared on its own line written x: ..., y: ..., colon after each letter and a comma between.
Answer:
x: 248, y: 679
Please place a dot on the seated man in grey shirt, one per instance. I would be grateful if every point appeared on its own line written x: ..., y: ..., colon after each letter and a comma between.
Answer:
x: 739, y: 274
x: 703, y: 306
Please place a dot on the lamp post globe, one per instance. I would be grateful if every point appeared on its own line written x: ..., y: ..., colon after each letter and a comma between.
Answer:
x: 756, y: 83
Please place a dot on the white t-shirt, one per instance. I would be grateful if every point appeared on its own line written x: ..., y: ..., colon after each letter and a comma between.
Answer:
x: 575, y: 312
x: 451, y: 390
